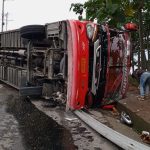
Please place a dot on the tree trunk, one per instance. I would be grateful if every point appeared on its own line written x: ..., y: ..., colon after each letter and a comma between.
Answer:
x: 148, y: 46
x: 142, y: 50
x: 148, y: 60
x: 132, y: 60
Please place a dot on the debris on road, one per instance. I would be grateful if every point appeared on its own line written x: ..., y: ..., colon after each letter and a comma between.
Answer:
x: 125, y: 118
x: 145, y: 136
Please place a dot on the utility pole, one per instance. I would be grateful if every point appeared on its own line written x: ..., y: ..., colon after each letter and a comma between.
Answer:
x: 3, y: 17
x: 6, y: 21
x: 2, y: 26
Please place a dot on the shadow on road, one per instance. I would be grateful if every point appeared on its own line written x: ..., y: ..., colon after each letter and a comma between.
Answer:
x: 38, y: 131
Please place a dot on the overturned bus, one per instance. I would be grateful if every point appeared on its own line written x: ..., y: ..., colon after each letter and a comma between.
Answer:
x: 80, y: 64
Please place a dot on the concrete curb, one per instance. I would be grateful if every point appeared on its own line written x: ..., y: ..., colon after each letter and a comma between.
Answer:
x: 117, y: 138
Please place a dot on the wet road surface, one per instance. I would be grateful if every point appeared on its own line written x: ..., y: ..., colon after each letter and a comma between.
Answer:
x: 23, y: 127
x: 27, y: 125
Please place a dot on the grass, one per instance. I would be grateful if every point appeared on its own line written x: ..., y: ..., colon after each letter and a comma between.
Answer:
x: 133, y: 81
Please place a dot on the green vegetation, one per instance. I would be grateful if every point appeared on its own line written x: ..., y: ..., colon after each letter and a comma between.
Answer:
x: 133, y: 81
x: 118, y: 12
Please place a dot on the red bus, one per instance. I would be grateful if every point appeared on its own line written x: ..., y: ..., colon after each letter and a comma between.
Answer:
x: 77, y: 63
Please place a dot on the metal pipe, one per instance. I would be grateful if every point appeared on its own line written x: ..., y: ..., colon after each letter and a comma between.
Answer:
x: 29, y: 61
x: 20, y: 52
x: 11, y: 57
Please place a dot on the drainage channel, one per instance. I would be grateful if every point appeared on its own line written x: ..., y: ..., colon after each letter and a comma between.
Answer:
x: 115, y: 137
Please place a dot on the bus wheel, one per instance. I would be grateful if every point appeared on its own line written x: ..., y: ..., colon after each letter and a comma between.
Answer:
x: 33, y: 32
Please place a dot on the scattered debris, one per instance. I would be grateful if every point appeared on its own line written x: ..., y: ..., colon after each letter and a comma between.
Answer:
x: 138, y: 110
x: 71, y: 119
x: 108, y: 107
x: 125, y: 118
x: 115, y: 111
x: 49, y: 104
x: 112, y: 108
x: 1, y: 86
x: 145, y: 136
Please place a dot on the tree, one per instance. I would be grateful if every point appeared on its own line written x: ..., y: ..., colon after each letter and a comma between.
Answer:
x: 119, y: 12
x: 114, y: 12
x: 78, y: 9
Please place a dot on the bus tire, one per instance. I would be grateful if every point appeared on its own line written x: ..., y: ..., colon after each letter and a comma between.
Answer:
x: 33, y: 32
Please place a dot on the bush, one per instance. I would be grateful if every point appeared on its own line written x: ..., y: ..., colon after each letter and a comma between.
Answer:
x: 133, y: 81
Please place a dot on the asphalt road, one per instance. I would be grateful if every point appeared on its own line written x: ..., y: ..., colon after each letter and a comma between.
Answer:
x: 23, y: 126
